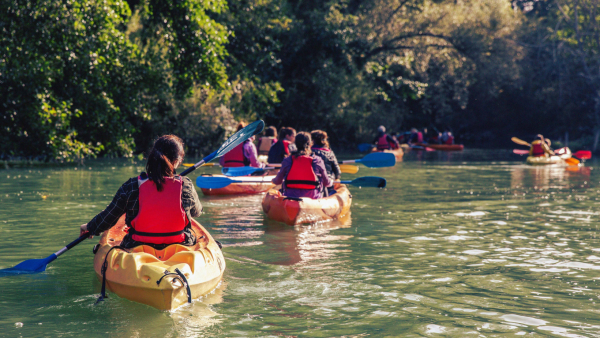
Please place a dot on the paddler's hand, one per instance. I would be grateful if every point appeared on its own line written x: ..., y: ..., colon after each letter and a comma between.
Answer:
x: 83, y: 229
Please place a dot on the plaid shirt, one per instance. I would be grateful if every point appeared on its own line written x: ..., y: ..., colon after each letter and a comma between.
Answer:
x: 126, y: 201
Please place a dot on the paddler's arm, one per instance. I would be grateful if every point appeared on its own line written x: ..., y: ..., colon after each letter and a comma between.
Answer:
x: 250, y: 153
x: 285, y: 169
x: 189, y: 198
x: 319, y: 168
x: 107, y: 218
x: 335, y: 166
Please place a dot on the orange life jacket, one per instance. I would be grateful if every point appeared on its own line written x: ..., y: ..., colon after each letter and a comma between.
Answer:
x: 265, y: 144
x: 537, y: 150
x: 382, y: 143
x: 161, y: 218
x: 235, y: 157
x: 302, y: 175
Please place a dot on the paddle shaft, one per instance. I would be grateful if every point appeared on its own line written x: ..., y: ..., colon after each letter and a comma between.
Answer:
x: 72, y: 244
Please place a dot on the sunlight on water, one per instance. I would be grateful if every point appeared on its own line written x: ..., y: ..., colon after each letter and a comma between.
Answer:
x: 463, y: 244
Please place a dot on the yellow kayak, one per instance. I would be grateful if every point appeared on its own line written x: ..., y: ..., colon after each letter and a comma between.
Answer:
x: 134, y: 274
x: 548, y: 160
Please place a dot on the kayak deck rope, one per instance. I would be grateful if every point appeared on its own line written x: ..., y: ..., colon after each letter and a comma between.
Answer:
x: 103, y: 271
x: 181, y: 278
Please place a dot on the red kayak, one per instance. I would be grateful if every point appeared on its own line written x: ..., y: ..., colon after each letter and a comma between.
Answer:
x: 443, y: 147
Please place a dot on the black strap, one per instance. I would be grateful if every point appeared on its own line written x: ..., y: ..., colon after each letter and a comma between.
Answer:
x: 234, y: 161
x: 103, y: 272
x: 315, y: 183
x: 154, y: 234
x: 181, y: 277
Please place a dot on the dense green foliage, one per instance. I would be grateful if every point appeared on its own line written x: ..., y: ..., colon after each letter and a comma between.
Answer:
x: 88, y: 77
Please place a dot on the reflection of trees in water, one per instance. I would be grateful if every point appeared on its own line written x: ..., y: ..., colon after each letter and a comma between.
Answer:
x: 305, y: 244
x: 549, y: 177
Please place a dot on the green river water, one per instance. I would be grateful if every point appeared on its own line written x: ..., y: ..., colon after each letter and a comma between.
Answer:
x: 471, y: 244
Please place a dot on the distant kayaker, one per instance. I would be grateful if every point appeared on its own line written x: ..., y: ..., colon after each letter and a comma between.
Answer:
x: 540, y: 147
x: 303, y: 174
x: 447, y: 137
x: 321, y: 148
x: 384, y: 141
x: 415, y: 136
x: 284, y: 146
x: 158, y: 205
x: 242, y: 155
x: 266, y: 142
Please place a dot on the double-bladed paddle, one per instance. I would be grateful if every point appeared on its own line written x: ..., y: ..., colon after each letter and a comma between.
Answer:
x: 216, y: 182
x: 245, y: 171
x: 39, y: 265
x: 376, y: 160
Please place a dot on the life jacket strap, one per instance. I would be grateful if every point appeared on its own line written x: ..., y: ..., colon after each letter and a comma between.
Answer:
x: 303, y: 182
x: 154, y: 234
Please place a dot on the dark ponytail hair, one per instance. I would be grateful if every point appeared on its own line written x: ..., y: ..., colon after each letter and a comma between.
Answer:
x: 166, y: 152
x: 303, y: 143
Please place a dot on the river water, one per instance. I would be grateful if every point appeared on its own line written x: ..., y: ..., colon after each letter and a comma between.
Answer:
x: 471, y: 244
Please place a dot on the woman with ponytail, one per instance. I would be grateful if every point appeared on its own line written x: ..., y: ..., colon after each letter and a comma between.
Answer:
x: 303, y: 174
x: 158, y: 205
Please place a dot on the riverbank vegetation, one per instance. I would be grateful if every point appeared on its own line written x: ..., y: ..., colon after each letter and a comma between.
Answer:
x: 82, y: 78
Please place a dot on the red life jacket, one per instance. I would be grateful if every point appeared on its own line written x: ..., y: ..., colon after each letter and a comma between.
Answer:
x: 382, y: 143
x: 286, y: 147
x: 161, y: 218
x: 450, y: 140
x: 537, y: 150
x: 419, y: 137
x: 235, y: 157
x: 302, y: 175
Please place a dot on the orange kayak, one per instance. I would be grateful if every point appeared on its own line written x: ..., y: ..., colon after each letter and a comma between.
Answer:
x: 442, y: 147
x: 133, y: 274
x: 242, y: 188
x: 306, y: 210
x: 397, y: 152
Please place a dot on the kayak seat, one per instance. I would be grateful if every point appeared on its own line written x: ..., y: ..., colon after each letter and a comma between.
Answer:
x: 162, y: 255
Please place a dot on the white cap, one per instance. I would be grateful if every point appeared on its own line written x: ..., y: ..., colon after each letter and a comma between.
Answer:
x: 381, y: 129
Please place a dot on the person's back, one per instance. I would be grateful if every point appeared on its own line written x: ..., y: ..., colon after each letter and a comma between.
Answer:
x: 242, y: 155
x: 303, y: 174
x: 321, y: 148
x: 383, y: 141
x: 540, y: 147
x: 265, y: 142
x: 283, y: 147
x: 158, y: 205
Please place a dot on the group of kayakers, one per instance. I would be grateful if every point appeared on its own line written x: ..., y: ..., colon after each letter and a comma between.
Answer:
x: 158, y: 205
x: 426, y: 136
x: 308, y: 165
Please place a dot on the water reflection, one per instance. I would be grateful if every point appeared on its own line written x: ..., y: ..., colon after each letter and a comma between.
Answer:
x: 240, y: 222
x: 549, y: 177
x: 306, y: 244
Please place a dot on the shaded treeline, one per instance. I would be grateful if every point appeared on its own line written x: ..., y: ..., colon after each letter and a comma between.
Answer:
x: 87, y: 77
